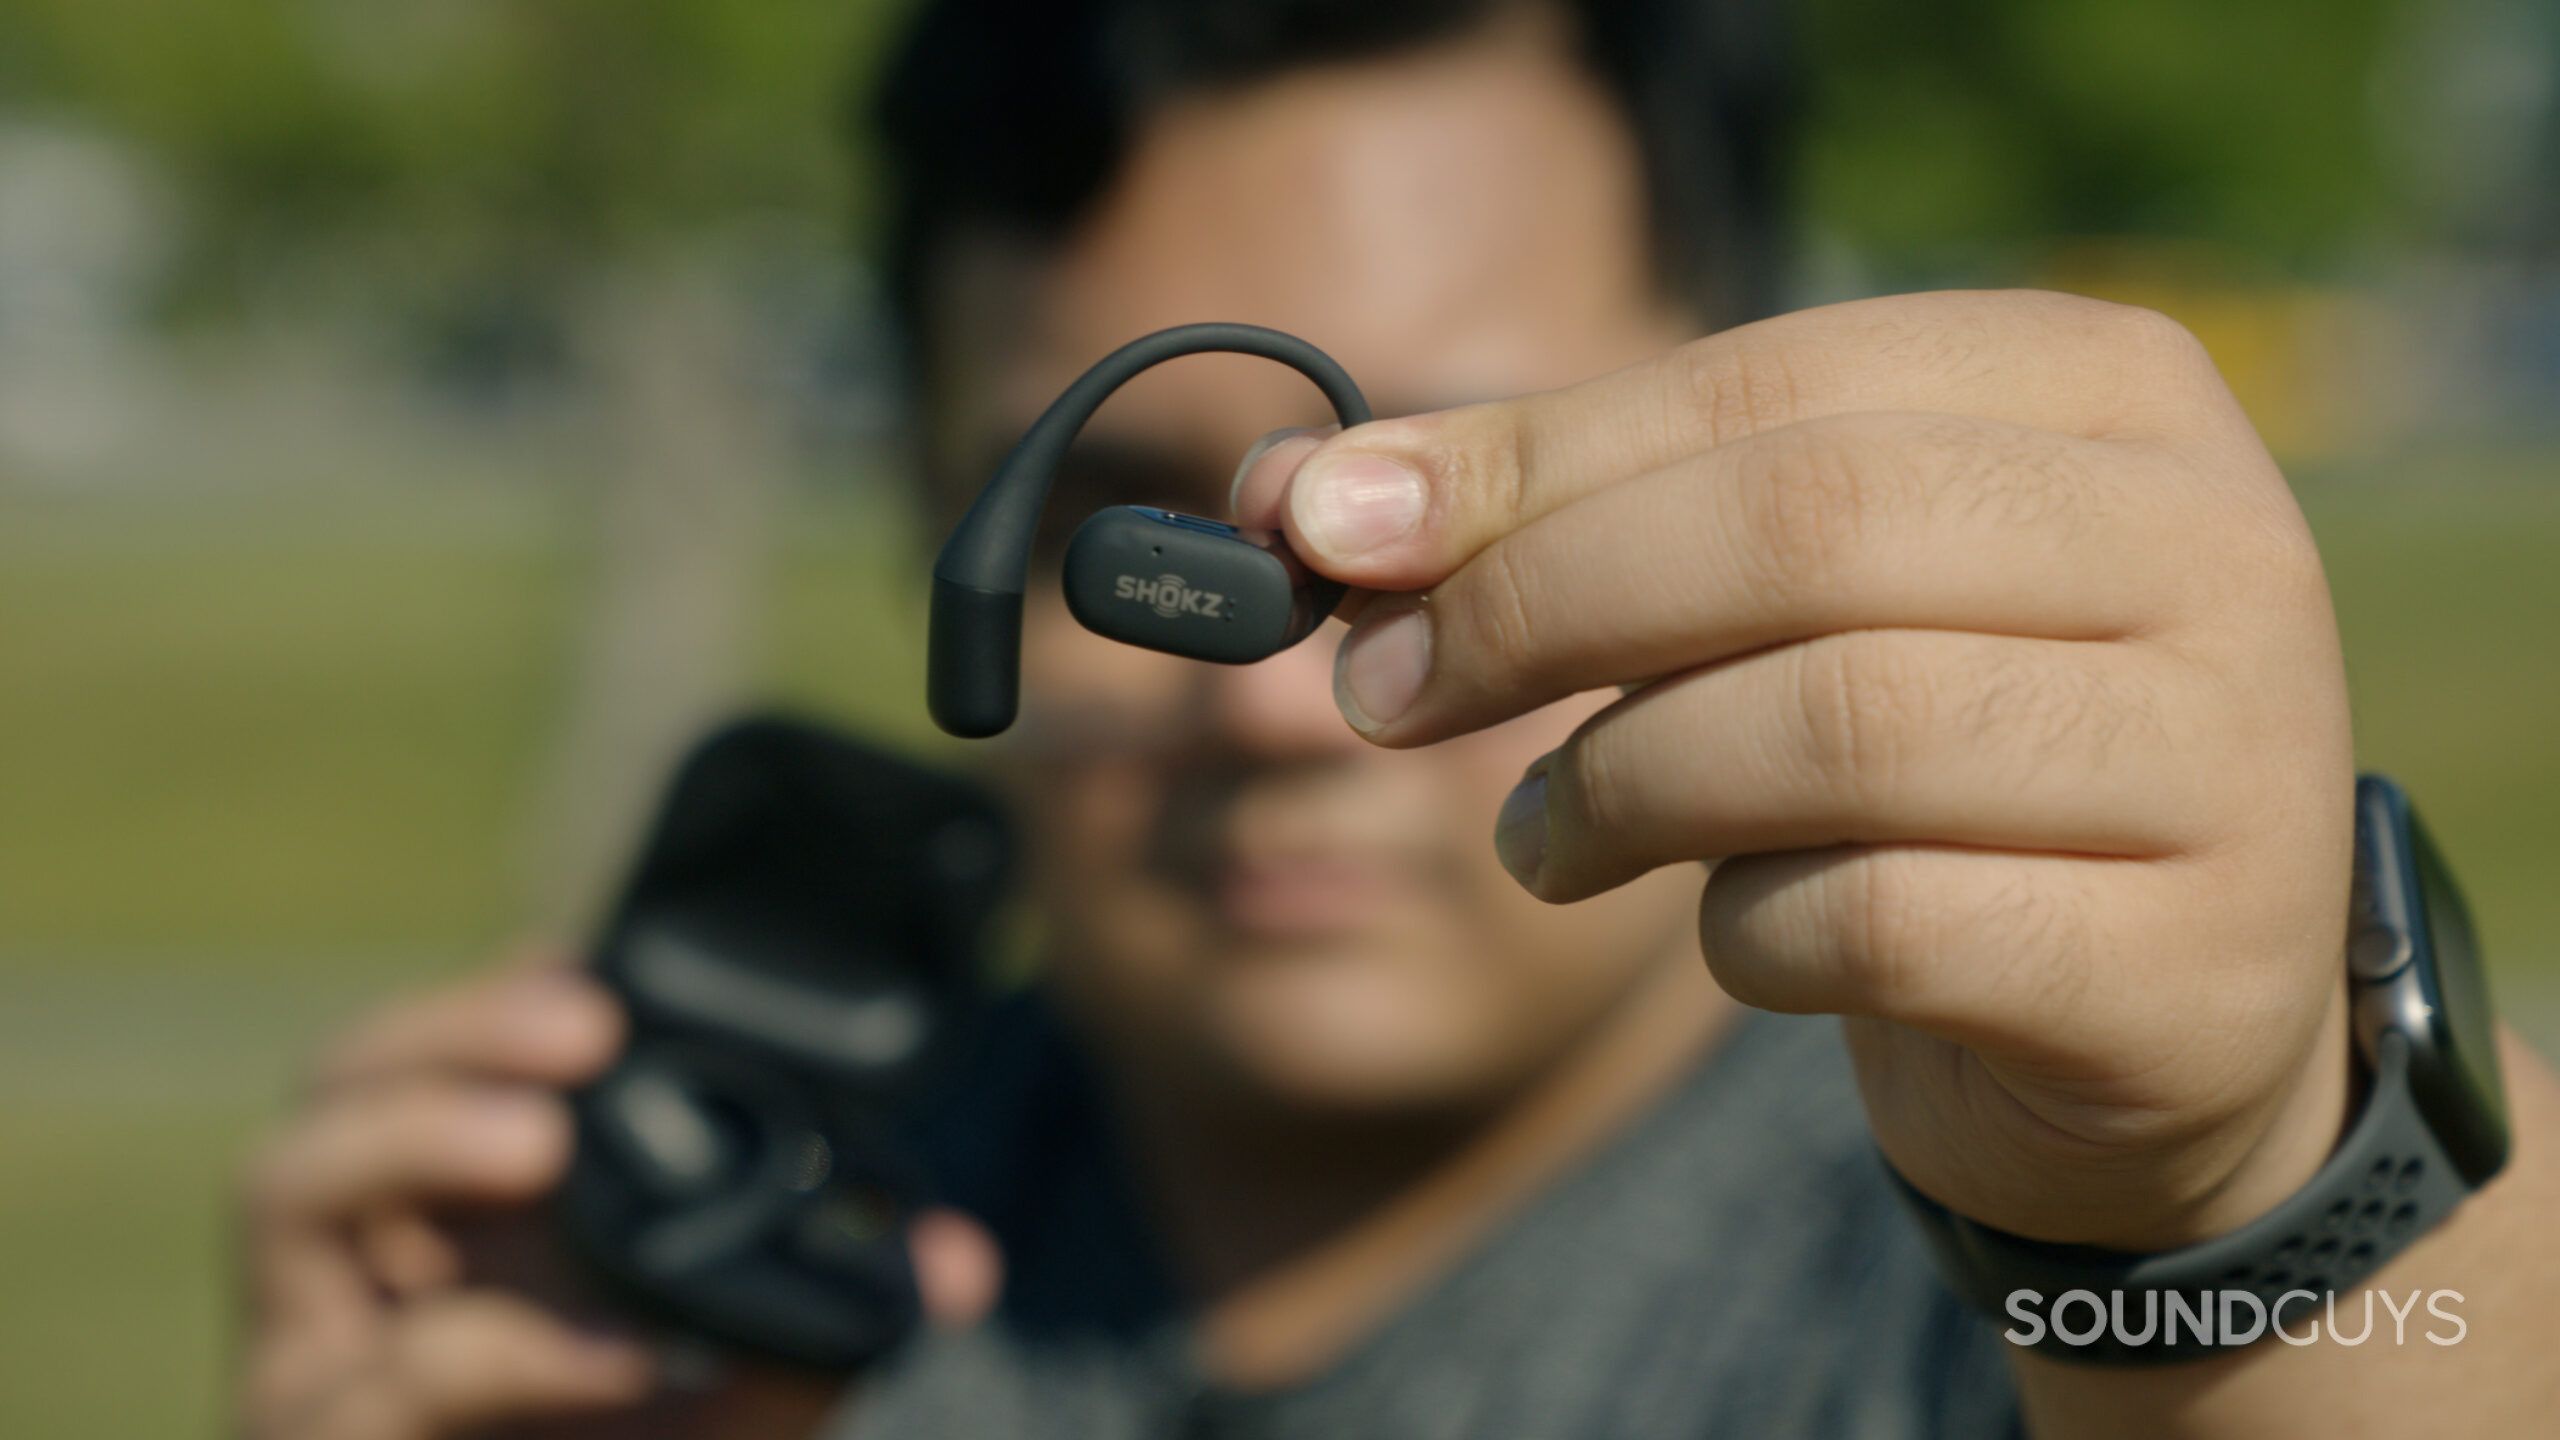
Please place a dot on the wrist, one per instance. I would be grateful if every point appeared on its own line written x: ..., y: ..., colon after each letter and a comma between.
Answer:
x: 2428, y: 1132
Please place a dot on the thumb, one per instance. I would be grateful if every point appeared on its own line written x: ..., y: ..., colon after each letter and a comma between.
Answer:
x: 959, y: 1271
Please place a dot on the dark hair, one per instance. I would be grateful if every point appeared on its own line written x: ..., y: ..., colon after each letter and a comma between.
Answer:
x: 1011, y: 116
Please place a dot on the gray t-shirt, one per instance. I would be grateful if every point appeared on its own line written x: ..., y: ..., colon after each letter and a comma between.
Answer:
x: 1732, y: 1263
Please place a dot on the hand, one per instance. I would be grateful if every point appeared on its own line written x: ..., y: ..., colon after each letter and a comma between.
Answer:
x: 1979, y: 647
x: 402, y: 1286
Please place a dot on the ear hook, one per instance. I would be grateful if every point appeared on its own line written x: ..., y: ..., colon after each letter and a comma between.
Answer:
x: 975, y: 651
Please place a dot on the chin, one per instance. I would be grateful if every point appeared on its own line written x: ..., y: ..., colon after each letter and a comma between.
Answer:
x: 1346, y: 1036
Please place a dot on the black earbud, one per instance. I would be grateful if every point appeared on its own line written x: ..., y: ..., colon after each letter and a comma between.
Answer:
x: 1169, y: 582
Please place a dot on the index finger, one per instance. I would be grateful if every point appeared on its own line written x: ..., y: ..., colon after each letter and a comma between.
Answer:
x: 1400, y: 504
x: 539, y: 1024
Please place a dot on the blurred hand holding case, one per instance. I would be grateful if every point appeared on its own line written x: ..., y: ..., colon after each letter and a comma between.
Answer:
x: 799, y: 948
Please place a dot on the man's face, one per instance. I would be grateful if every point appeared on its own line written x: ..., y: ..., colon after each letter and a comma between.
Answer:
x: 1240, y: 892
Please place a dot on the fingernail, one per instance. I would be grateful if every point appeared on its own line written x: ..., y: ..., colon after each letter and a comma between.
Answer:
x: 1349, y: 505
x: 1383, y: 662
x: 1262, y: 448
x: 1520, y: 831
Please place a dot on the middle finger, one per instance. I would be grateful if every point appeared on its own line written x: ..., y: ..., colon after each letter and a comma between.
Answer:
x: 1870, y: 737
x: 1921, y: 521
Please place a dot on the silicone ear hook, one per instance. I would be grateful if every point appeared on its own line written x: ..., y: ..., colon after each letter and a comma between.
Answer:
x: 1146, y: 577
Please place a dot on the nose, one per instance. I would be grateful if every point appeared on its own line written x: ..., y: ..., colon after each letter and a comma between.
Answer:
x: 1282, y: 708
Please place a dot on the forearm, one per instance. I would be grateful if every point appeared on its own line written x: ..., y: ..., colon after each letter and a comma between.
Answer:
x: 2500, y: 1253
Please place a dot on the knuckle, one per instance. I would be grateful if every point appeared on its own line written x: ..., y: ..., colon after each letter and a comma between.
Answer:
x: 1727, y: 387
x: 2047, y: 939
x: 1884, y: 922
x: 1804, y: 506
x: 2005, y: 476
x: 2028, y: 939
x: 1866, y: 703
x: 1496, y: 616
x: 1954, y: 335
x: 2145, y: 331
x: 1483, y: 461
x: 2141, y: 341
x: 2049, y: 717
x: 1514, y: 464
x: 2279, y: 552
x: 1903, y: 922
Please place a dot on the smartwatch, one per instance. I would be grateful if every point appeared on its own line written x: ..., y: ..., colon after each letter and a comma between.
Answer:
x: 2433, y: 1130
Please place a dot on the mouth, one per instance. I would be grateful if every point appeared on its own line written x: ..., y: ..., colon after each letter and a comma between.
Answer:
x: 1304, y: 895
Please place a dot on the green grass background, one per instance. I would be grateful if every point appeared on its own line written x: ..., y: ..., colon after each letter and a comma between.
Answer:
x: 262, y: 761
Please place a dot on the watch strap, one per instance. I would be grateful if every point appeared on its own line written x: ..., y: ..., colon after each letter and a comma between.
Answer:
x: 2388, y: 1183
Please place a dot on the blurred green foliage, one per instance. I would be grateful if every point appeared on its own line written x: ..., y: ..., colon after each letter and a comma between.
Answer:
x: 284, y: 742
x: 511, y: 132
x: 1940, y: 131
x: 357, y: 685
x: 488, y: 134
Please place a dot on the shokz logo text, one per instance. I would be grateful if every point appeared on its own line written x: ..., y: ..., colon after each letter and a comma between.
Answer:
x: 1171, y: 596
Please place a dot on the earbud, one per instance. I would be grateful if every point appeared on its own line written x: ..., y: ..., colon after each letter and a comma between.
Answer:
x: 1191, y: 587
x: 1147, y: 577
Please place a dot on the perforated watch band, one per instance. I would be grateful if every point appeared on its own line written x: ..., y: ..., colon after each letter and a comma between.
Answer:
x: 2387, y: 1184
